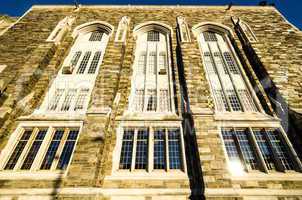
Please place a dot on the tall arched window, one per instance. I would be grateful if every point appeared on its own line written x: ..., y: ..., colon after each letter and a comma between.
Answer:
x: 151, y: 82
x: 230, y: 89
x: 71, y: 89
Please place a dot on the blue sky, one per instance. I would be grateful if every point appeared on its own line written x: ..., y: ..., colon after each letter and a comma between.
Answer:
x: 291, y: 9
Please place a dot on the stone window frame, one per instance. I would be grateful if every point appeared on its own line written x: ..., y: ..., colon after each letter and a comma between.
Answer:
x: 263, y: 171
x: 58, y: 32
x: 34, y: 173
x: 74, y: 80
x: 149, y: 172
x: 181, y: 21
x: 228, y: 34
x: 122, y: 29
x: 166, y: 31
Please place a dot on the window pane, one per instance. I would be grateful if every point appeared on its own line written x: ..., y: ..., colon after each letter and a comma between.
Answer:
x: 247, y: 151
x: 81, y: 99
x: 141, y: 63
x: 281, y: 149
x: 164, y: 100
x: 75, y: 59
x: 34, y: 149
x: 69, y: 98
x: 18, y: 150
x: 68, y: 149
x: 221, y: 103
x: 265, y: 149
x: 141, y: 159
x: 209, y: 36
x: 219, y: 62
x: 94, y: 63
x: 234, y: 101
x: 230, y: 146
x: 55, y: 99
x: 209, y: 64
x: 151, y: 100
x: 162, y: 60
x: 139, y: 100
x: 231, y: 63
x: 159, y: 149
x: 153, y: 36
x: 52, y: 149
x: 96, y: 36
x: 174, y: 149
x: 152, y: 63
x: 127, y: 148
x: 84, y: 63
x: 247, y: 100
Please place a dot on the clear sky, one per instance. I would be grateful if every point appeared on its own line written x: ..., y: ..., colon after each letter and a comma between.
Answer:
x: 291, y: 9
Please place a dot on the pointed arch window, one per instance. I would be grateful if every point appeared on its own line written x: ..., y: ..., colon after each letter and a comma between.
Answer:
x: 230, y: 88
x: 151, y: 84
x: 72, y: 87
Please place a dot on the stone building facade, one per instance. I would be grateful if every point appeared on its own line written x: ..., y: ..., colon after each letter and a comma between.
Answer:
x: 151, y: 102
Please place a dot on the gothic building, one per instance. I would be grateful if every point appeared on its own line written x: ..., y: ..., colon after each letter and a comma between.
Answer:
x: 151, y: 103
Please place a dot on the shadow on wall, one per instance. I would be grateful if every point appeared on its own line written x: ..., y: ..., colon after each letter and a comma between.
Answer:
x: 291, y: 121
x: 192, y: 153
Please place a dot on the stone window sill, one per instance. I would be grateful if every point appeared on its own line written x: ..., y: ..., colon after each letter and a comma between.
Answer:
x: 287, y: 176
x: 142, y: 174
x: 30, y: 175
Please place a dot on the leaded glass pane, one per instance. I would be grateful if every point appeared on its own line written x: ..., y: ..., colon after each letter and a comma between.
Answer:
x: 31, y: 155
x: 141, y: 159
x: 174, y: 149
x: 127, y: 148
x: 159, y: 149
x: 18, y: 150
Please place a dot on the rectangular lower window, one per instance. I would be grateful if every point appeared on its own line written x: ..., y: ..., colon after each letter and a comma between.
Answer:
x: 165, y: 147
x: 241, y: 145
x: 43, y: 148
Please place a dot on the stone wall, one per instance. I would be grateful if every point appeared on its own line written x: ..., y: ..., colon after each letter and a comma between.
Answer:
x: 33, y: 63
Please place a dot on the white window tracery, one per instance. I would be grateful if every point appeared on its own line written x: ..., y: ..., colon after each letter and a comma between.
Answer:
x: 151, y: 84
x: 229, y: 88
x: 71, y: 89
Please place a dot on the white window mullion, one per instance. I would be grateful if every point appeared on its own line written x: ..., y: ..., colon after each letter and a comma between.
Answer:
x: 167, y: 149
x: 220, y: 79
x: 59, y: 150
x: 43, y: 148
x: 257, y: 150
x: 224, y: 62
x: 156, y: 77
x: 244, y: 77
x: 146, y: 79
x: 150, y: 149
x: 134, y: 150
x: 183, y: 151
